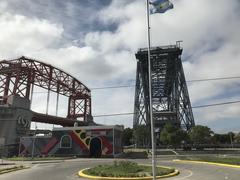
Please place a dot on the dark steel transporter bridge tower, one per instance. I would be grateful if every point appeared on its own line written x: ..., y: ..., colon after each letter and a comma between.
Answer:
x: 170, y: 99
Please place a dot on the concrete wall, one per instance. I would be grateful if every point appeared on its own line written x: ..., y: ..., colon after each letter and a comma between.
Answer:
x: 15, y: 121
x: 18, y: 102
x: 33, y: 145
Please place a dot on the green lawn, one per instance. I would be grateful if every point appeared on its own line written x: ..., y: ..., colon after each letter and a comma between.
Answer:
x: 125, y: 169
x: 215, y: 159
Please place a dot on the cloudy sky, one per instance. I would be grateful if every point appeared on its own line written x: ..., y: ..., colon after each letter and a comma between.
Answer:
x: 95, y: 41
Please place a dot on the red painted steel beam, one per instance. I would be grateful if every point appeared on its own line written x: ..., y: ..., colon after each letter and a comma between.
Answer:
x: 65, y: 122
x: 22, y: 73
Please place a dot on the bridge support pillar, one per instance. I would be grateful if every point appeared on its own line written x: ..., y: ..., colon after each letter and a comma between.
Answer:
x: 15, y: 121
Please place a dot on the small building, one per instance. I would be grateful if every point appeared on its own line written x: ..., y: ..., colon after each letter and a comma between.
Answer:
x: 87, y: 141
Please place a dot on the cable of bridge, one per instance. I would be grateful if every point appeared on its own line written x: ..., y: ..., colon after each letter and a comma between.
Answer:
x: 194, y: 107
x: 188, y: 81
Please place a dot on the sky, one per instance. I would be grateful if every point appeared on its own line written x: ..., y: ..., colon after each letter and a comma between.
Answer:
x: 96, y: 42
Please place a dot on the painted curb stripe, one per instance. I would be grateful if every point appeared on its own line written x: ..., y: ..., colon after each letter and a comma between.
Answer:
x: 81, y: 174
x: 210, y: 163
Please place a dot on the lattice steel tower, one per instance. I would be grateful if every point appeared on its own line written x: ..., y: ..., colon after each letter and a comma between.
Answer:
x: 170, y: 97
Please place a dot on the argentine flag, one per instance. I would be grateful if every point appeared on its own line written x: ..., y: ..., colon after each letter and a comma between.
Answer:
x: 160, y: 6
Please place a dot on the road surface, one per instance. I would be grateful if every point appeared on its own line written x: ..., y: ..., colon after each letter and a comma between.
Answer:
x: 67, y: 170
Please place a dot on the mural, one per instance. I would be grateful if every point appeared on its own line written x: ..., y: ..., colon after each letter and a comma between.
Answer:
x: 81, y: 141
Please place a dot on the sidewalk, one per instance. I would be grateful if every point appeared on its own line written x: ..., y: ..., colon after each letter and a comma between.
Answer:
x: 27, y: 163
x: 6, y: 164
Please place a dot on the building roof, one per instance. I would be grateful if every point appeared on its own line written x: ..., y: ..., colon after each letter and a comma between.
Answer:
x: 117, y: 127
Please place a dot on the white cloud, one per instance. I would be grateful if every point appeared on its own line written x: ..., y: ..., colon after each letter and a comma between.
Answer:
x: 20, y: 34
x: 3, y: 6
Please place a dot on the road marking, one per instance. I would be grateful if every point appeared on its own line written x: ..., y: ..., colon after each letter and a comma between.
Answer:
x: 210, y: 163
x: 226, y: 176
x: 187, y: 176
x: 174, y: 152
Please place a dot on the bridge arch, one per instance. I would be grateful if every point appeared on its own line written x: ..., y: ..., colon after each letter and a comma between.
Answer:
x: 19, y: 76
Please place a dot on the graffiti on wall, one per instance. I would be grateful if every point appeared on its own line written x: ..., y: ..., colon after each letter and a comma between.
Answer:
x: 71, y: 142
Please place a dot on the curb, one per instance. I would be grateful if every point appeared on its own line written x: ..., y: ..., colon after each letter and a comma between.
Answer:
x: 45, y: 162
x: 4, y: 164
x: 210, y: 163
x: 13, y: 169
x: 81, y: 174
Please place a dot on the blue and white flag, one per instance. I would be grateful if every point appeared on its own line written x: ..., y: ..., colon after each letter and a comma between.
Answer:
x: 160, y: 6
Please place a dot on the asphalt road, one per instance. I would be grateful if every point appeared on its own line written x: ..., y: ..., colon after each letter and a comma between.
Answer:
x: 67, y: 170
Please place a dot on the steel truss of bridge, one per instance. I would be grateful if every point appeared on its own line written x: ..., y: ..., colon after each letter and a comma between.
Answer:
x: 19, y: 76
x: 170, y: 98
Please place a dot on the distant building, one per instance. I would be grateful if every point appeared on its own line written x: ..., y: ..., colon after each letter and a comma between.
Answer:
x: 88, y: 141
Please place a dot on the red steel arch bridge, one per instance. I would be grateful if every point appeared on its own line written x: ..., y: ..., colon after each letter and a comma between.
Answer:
x: 18, y: 77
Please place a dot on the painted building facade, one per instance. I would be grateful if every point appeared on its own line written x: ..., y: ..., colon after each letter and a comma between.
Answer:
x: 88, y: 141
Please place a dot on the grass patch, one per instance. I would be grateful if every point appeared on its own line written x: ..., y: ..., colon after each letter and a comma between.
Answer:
x: 134, y: 150
x: 135, y: 155
x: 34, y: 159
x: 214, y: 159
x: 126, y: 169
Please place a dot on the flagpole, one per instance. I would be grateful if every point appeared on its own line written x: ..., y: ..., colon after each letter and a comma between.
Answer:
x: 150, y: 96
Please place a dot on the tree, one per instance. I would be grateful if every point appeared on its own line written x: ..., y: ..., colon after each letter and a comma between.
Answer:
x: 237, y: 138
x: 200, y: 134
x: 127, y: 136
x: 141, y: 135
x: 182, y: 136
x: 171, y: 135
x: 223, y: 138
x: 168, y: 134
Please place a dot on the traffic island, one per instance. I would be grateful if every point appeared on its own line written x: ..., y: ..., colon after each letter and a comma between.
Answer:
x: 126, y: 170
